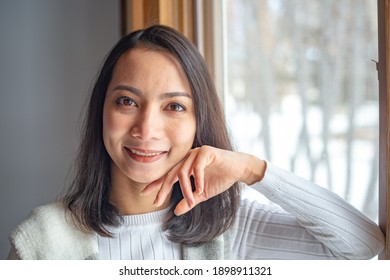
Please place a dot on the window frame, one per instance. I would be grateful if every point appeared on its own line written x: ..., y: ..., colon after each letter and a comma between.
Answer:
x: 198, y: 20
x: 137, y: 14
x: 383, y: 67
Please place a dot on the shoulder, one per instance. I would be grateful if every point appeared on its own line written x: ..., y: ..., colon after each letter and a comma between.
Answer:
x: 48, y: 212
x: 44, y: 217
x: 49, y: 233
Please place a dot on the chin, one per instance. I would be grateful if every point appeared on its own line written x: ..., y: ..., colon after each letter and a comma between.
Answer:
x: 142, y: 179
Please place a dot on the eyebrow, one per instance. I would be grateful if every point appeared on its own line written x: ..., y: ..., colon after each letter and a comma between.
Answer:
x: 139, y: 93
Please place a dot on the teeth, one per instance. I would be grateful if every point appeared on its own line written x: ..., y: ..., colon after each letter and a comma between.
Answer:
x: 145, y: 154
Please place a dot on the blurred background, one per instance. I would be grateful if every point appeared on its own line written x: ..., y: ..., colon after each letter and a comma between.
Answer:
x: 50, y: 52
x: 301, y: 76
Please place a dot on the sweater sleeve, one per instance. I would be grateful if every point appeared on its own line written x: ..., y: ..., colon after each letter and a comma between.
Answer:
x: 336, y: 224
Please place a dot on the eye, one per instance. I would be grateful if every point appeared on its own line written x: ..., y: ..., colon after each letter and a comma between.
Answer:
x: 175, y: 107
x: 125, y: 101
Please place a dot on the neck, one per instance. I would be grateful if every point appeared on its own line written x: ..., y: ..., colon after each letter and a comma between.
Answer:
x: 125, y: 194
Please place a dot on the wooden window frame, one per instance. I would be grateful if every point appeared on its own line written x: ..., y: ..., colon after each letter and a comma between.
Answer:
x: 201, y: 21
x: 179, y: 14
x: 198, y: 20
x: 383, y: 67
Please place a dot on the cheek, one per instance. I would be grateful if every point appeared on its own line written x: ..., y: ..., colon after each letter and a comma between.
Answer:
x: 182, y: 135
x: 109, y: 124
x: 113, y: 127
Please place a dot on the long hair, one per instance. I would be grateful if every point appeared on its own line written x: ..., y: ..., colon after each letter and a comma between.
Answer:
x: 88, y: 195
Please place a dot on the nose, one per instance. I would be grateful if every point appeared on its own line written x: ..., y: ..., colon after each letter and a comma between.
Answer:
x: 148, y: 124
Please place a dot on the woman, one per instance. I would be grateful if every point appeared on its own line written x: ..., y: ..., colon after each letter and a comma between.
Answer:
x: 156, y: 177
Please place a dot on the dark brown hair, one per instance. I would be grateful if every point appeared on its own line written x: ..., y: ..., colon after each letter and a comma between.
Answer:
x: 88, y: 196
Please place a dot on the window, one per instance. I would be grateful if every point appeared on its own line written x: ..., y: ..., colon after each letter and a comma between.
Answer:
x: 301, y: 77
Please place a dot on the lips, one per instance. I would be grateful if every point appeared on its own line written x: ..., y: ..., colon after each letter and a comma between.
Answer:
x: 144, y: 156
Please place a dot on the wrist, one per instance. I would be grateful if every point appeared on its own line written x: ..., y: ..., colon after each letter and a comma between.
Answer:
x: 255, y: 170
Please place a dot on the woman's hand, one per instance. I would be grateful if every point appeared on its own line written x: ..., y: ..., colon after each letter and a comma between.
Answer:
x: 214, y: 171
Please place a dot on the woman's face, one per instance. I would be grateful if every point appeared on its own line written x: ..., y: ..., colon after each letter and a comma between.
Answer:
x: 148, y: 116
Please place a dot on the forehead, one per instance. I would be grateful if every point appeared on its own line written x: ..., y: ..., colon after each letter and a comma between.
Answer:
x: 150, y: 70
x: 149, y: 58
x: 149, y: 65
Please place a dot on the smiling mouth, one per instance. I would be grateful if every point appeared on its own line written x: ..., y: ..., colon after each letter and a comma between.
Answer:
x: 144, y: 156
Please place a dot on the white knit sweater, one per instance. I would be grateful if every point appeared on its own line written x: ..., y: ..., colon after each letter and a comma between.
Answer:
x: 309, y: 223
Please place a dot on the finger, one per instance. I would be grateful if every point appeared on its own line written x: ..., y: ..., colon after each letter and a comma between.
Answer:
x: 186, y: 188
x: 167, y: 184
x: 205, y: 157
x: 198, y: 172
x: 184, y: 175
x: 154, y: 186
x: 183, y: 207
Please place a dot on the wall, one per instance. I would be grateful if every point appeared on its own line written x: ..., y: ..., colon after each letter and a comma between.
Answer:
x: 50, y: 52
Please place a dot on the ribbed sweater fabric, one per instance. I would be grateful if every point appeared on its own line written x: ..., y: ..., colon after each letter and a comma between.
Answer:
x: 306, y: 221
